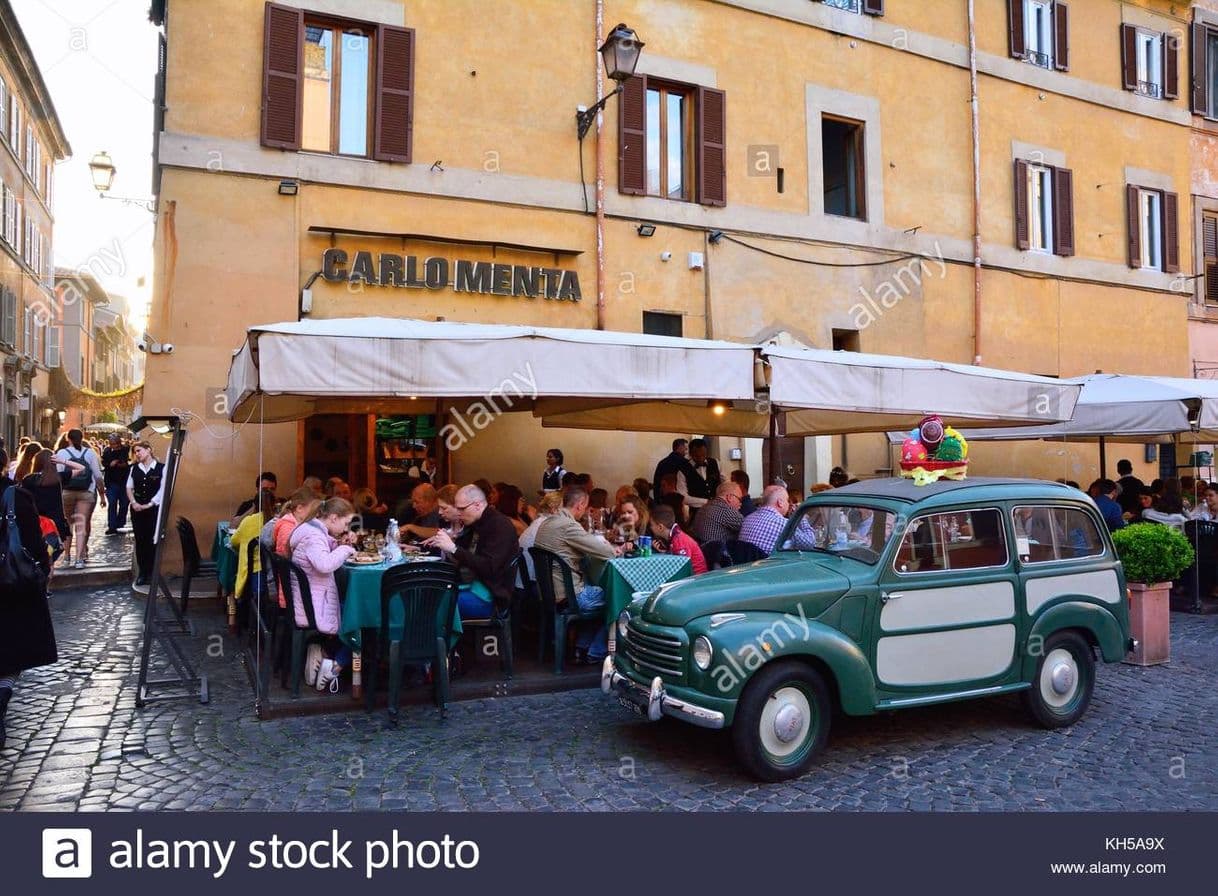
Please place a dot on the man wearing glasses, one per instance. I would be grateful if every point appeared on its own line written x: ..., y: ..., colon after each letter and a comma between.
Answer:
x: 720, y: 519
x: 483, y: 552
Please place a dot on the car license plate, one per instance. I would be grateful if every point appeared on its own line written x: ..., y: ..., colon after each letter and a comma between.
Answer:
x: 630, y: 705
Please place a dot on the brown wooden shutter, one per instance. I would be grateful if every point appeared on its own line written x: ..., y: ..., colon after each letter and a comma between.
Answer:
x: 1133, y: 223
x: 1129, y: 57
x: 394, y: 120
x: 1022, y: 241
x: 712, y: 146
x: 632, y: 137
x: 282, y: 81
x: 1019, y: 47
x: 1063, y: 211
x: 1171, y: 233
x: 873, y: 7
x: 1061, y: 37
x: 1200, y: 85
x: 1171, y: 67
x: 1209, y: 252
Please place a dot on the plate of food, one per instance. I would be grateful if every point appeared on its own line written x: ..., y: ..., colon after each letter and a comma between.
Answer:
x: 362, y: 559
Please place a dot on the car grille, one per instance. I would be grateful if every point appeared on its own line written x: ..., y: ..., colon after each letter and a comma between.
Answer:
x: 650, y: 652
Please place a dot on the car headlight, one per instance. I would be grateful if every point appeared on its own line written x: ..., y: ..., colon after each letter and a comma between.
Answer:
x: 702, y: 652
x: 622, y: 619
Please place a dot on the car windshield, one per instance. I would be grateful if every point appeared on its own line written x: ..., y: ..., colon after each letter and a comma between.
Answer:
x: 847, y: 530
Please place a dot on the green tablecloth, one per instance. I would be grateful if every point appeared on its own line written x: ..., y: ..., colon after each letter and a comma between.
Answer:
x: 225, y: 559
x: 622, y: 577
x: 360, y: 587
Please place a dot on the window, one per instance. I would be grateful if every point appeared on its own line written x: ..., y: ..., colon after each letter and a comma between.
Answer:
x: 52, y: 346
x: 1152, y: 217
x: 27, y: 346
x: 669, y: 139
x: 1149, y: 62
x: 842, y: 161
x: 8, y: 316
x: 1038, y: 32
x: 337, y: 73
x: 1045, y: 534
x: 337, y: 87
x: 3, y: 108
x: 659, y: 323
x: 972, y: 539
x: 1044, y: 208
x: 10, y: 217
x: 870, y: 7
x: 14, y: 124
x: 1205, y: 69
x: 1209, y: 255
x: 672, y: 141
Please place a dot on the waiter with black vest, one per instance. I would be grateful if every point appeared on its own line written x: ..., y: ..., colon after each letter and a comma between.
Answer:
x: 145, y: 488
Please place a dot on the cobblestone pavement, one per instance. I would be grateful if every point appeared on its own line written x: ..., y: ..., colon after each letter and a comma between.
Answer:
x: 108, y: 550
x: 76, y: 741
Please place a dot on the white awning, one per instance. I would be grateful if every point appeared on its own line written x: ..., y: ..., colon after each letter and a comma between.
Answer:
x: 287, y: 371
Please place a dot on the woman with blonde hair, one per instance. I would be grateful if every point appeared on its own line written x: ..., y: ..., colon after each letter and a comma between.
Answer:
x: 25, y: 460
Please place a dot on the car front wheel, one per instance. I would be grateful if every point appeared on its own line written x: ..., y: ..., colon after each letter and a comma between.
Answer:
x: 1064, y: 680
x: 782, y: 721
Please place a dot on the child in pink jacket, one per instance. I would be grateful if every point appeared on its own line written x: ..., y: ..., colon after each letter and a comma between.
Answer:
x: 319, y: 547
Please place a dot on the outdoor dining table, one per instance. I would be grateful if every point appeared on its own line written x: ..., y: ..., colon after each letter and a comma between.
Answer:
x: 621, y: 577
x: 225, y: 558
x: 359, y: 585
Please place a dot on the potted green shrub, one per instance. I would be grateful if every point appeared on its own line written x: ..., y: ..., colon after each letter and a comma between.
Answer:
x: 1152, y: 555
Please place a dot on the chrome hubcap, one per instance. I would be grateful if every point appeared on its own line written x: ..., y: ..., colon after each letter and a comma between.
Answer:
x: 788, y: 722
x: 1062, y: 678
x: 1059, y: 678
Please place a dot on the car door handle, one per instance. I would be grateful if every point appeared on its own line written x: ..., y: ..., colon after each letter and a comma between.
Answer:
x: 885, y: 597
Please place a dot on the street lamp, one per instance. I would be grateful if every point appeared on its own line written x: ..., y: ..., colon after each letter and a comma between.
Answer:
x: 102, y: 168
x: 620, y: 53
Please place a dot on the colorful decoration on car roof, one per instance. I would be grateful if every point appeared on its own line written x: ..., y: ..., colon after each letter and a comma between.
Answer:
x: 933, y: 452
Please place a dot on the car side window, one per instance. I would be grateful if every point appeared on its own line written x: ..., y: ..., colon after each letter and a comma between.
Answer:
x: 1046, y: 533
x: 971, y: 539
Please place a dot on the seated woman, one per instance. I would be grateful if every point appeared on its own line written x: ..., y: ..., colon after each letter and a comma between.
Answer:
x: 509, y: 501
x: 319, y: 547
x: 631, y: 520
x: 249, y: 530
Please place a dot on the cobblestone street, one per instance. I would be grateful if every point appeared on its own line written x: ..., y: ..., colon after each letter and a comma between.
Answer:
x: 76, y: 741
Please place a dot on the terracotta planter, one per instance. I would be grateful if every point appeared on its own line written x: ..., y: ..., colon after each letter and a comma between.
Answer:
x: 1150, y: 623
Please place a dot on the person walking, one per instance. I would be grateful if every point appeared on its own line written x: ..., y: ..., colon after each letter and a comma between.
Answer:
x: 116, y: 467
x: 145, y: 490
x: 27, y: 636
x: 81, y: 493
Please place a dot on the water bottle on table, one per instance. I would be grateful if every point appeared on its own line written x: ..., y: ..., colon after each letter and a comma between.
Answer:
x: 393, y: 546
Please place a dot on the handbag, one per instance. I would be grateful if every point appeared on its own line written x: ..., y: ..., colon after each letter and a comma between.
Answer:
x: 18, y: 570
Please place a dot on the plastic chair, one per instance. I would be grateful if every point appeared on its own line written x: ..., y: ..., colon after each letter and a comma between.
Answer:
x: 561, y: 615
x: 715, y: 555
x: 501, y: 621
x: 287, y: 573
x: 428, y: 595
x: 193, y: 564
x: 743, y: 551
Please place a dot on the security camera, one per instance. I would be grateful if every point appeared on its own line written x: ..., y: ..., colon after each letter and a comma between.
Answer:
x: 167, y: 348
x: 142, y: 345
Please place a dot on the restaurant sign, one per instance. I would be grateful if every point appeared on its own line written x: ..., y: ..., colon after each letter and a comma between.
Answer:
x: 485, y: 277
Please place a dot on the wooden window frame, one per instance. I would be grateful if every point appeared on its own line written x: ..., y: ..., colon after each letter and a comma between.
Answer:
x: 1060, y: 212
x: 1169, y: 228
x: 1207, y: 251
x: 689, y: 144
x: 1058, y: 55
x: 1203, y: 100
x: 336, y: 26
x: 858, y: 144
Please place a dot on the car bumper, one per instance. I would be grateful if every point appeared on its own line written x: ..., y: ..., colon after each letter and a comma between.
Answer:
x: 654, y: 701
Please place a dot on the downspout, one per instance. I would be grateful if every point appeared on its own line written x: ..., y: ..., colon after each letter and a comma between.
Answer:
x: 972, y: 74
x: 600, y: 172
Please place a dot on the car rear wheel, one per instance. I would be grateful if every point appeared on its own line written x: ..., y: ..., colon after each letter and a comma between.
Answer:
x: 782, y: 721
x: 1064, y: 680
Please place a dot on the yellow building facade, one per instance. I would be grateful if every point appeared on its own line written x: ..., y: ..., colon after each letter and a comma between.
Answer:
x: 807, y: 166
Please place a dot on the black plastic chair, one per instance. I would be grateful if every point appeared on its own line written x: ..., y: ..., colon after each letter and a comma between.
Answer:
x: 500, y: 620
x: 428, y: 595
x: 193, y: 564
x: 743, y: 551
x: 560, y: 615
x: 715, y: 555
x: 288, y: 573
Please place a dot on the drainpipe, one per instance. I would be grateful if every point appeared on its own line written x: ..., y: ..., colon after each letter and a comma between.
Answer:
x: 600, y: 172
x: 972, y: 74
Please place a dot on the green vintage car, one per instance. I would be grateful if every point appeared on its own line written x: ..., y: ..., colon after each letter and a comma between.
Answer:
x: 883, y: 595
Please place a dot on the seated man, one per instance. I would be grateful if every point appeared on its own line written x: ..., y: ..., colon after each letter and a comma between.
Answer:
x: 762, y: 527
x: 267, y: 482
x: 664, y: 527
x: 563, y: 535
x: 483, y: 552
x: 425, y: 507
x: 720, y: 519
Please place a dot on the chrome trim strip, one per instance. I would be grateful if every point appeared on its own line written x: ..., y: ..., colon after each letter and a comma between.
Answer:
x: 655, y: 700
